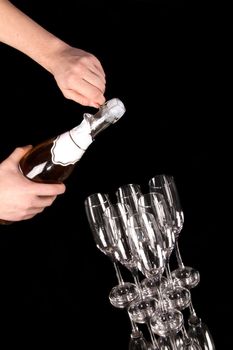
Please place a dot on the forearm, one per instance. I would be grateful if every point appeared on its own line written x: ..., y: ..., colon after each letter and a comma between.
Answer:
x: 21, y: 32
x: 79, y: 74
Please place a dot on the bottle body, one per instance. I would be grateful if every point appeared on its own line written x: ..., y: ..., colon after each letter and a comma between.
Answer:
x: 38, y: 166
x: 53, y: 161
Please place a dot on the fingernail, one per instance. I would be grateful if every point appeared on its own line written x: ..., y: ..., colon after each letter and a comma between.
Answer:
x: 95, y: 105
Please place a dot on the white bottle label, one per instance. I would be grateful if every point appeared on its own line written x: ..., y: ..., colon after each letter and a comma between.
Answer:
x: 69, y: 147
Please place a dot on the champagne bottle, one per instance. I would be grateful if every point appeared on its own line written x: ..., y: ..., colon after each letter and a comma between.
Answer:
x: 52, y: 161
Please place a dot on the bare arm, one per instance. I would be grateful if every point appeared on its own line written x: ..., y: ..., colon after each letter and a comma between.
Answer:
x: 78, y: 73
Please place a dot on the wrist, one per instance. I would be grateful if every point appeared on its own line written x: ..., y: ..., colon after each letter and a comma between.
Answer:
x: 50, y: 57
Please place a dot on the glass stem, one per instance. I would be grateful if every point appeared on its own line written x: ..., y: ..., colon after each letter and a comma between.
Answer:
x: 152, y: 336
x: 191, y: 309
x: 135, y: 330
x: 118, y: 273
x: 178, y: 255
x: 137, y: 281
x: 173, y: 342
x: 160, y: 295
x: 186, y: 339
x: 168, y: 274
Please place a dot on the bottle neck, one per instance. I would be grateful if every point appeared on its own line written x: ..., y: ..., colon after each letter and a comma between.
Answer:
x: 69, y: 147
x: 108, y: 114
x: 81, y: 135
x: 97, y: 123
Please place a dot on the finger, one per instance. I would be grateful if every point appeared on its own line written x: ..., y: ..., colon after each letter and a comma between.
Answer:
x: 47, y: 189
x: 98, y: 66
x: 88, y: 85
x: 84, y: 100
x: 100, y: 70
x: 31, y: 215
x: 44, y: 201
x: 40, y: 203
x: 19, y: 152
x: 95, y: 80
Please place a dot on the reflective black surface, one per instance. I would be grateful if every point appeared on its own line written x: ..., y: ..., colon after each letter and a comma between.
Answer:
x: 168, y: 63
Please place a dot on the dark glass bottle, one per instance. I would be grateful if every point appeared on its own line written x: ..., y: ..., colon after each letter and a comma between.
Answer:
x: 52, y: 161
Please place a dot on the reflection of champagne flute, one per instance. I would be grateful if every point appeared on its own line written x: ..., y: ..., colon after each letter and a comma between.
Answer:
x: 165, y: 343
x: 141, y: 311
x: 138, y: 342
x: 199, y: 332
x: 189, y: 343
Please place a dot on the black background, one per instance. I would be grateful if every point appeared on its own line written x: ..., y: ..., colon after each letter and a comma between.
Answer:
x: 168, y: 63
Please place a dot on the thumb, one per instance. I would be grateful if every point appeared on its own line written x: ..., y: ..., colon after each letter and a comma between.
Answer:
x: 19, y: 152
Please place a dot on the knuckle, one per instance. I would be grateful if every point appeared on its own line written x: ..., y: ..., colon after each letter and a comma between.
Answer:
x: 67, y: 94
x: 83, y: 101
x: 69, y: 78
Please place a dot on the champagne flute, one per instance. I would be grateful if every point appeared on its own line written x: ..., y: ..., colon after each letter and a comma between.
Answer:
x: 166, y: 322
x: 146, y: 246
x: 129, y: 194
x: 155, y: 204
x: 184, y: 275
x: 116, y: 217
x: 165, y: 184
x: 95, y: 206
